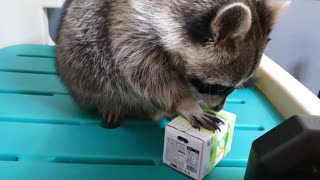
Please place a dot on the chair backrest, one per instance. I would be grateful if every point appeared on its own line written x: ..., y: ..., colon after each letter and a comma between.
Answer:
x: 25, y: 21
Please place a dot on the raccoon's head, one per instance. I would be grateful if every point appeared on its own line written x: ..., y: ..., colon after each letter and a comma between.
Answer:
x: 226, y: 45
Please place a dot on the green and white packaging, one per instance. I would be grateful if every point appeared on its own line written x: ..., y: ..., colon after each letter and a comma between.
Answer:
x: 193, y: 152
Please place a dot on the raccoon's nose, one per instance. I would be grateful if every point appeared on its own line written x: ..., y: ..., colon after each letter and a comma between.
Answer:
x: 218, y: 108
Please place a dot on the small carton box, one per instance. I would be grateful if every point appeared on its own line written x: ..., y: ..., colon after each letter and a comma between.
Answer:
x: 193, y: 152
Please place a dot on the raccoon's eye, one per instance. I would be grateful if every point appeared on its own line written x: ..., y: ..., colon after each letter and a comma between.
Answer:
x: 211, y: 89
x: 219, y: 89
x: 269, y: 39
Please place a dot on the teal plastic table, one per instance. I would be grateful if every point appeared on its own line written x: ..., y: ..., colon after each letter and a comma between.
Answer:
x: 45, y: 135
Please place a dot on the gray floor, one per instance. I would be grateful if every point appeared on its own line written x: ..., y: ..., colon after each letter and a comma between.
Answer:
x: 295, y: 41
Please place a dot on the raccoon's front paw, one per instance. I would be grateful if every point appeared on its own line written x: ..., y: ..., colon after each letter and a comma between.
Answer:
x: 208, y: 120
x: 190, y: 110
x: 111, y: 120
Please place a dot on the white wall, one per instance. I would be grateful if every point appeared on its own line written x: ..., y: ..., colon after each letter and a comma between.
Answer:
x: 25, y: 21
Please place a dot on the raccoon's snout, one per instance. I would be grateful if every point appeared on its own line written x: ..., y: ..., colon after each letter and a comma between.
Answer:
x: 213, y: 102
x: 218, y: 108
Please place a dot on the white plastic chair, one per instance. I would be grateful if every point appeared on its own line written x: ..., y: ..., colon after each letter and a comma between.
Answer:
x: 26, y: 22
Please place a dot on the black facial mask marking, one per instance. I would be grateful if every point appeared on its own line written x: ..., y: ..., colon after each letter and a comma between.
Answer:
x: 210, y: 89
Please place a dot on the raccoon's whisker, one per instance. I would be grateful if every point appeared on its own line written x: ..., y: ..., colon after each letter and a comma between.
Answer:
x: 210, y: 88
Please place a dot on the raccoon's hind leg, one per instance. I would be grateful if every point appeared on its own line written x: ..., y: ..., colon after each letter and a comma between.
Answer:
x: 93, y: 103
x: 111, y: 120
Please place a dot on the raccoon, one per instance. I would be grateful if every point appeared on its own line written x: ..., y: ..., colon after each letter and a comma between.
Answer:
x: 151, y: 58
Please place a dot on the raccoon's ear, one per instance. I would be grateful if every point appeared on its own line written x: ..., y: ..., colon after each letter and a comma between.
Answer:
x: 231, y: 22
x: 271, y: 10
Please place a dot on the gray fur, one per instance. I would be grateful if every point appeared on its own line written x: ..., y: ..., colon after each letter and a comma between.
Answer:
x: 135, y: 58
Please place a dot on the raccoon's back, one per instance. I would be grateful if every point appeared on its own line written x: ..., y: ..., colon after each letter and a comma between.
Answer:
x: 84, y: 57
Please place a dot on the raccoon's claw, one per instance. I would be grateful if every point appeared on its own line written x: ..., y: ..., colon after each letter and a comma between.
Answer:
x: 111, y: 120
x: 213, y: 116
x: 207, y: 120
x: 195, y: 123
x: 191, y: 110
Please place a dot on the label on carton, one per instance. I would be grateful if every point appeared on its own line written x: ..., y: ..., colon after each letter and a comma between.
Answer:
x: 192, y: 159
x: 181, y: 156
x: 176, y: 152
